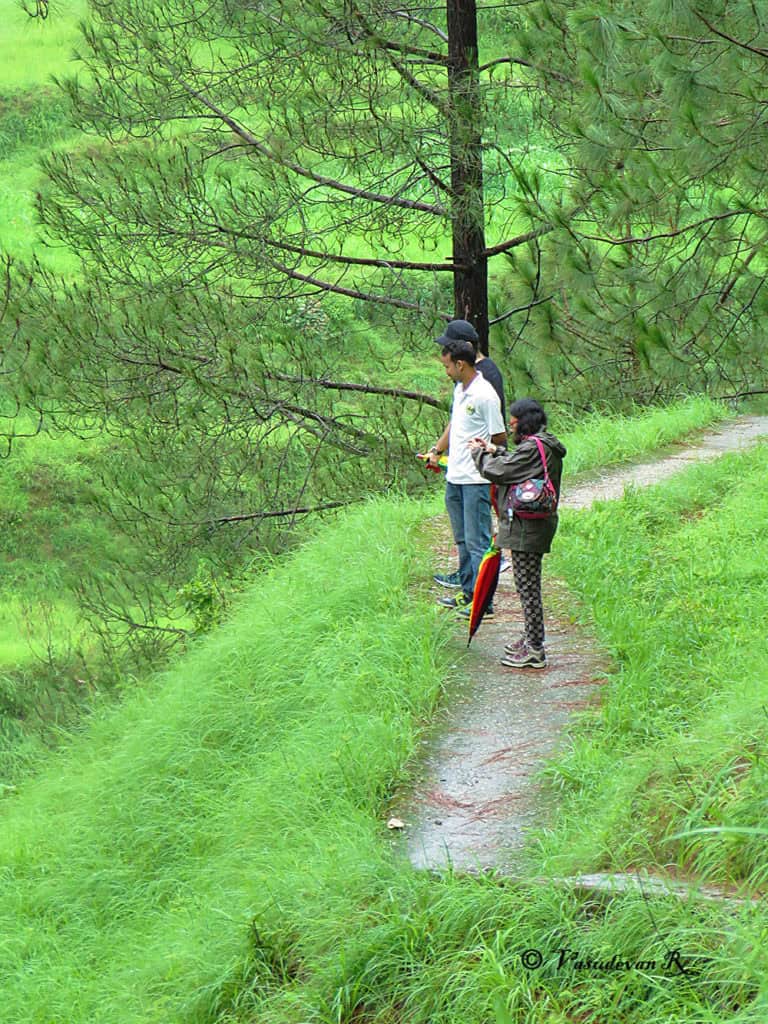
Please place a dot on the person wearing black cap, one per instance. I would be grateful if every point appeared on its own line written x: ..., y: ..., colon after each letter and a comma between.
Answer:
x: 462, y: 330
x: 475, y: 413
x: 458, y: 331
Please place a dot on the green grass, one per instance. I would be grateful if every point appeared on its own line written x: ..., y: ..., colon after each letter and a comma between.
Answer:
x: 215, y: 850
x: 51, y: 535
x: 607, y: 439
x: 32, y: 49
x: 673, y: 579
x: 49, y: 531
x: 18, y: 227
x: 275, y: 743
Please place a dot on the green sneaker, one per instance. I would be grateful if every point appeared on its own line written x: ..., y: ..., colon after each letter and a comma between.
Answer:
x: 466, y: 611
x: 450, y: 579
x: 459, y: 601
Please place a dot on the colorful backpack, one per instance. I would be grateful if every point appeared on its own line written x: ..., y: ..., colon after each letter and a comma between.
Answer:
x: 535, y: 498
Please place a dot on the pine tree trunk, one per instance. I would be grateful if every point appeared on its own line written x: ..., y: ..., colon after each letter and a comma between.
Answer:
x: 470, y: 285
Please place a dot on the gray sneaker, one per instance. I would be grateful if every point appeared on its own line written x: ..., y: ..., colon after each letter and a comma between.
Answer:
x: 460, y: 601
x: 526, y: 657
x: 450, y: 579
x: 516, y: 647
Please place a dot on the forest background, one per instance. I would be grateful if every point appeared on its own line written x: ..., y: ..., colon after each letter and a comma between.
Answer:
x: 224, y: 276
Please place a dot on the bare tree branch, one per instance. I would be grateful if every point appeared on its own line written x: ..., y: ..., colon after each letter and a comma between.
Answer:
x: 351, y: 261
x: 432, y: 56
x: 521, y: 309
x: 518, y: 240
x: 429, y: 95
x: 675, y: 232
x: 281, y: 513
x: 368, y: 389
x: 730, y: 39
x: 328, y: 286
x: 420, y: 21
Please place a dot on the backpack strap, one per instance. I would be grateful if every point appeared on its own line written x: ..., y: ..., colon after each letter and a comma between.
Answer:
x: 540, y: 446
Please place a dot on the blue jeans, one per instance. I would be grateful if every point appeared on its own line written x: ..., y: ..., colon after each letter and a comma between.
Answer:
x: 469, y: 509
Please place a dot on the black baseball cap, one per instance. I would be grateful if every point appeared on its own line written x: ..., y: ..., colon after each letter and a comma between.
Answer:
x: 457, y: 331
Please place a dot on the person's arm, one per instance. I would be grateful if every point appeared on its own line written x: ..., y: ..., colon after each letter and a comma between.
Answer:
x: 499, y: 440
x: 506, y: 467
x: 438, y: 449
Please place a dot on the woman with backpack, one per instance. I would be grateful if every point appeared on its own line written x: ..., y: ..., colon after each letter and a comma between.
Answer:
x: 537, y: 455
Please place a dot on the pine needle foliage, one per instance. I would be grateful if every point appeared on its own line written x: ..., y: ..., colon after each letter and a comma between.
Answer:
x: 654, y: 252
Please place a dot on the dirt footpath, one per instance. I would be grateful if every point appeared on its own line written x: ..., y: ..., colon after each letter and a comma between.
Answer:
x: 477, y: 794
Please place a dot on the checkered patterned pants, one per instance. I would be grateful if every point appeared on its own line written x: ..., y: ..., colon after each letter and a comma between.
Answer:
x: 526, y: 566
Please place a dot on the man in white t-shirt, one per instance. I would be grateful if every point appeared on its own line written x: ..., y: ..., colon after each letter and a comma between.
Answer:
x: 476, y: 412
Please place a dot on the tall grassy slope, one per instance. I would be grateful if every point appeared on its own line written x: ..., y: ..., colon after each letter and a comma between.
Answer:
x: 52, y: 534
x: 33, y: 116
x: 132, y: 869
x: 214, y: 851
x: 52, y: 529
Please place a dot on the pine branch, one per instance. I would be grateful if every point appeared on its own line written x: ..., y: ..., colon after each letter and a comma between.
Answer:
x: 520, y: 309
x: 513, y: 243
x: 433, y: 177
x: 505, y: 60
x: 285, y: 512
x: 432, y: 56
x: 422, y: 23
x: 433, y: 98
x: 351, y: 261
x: 331, y: 423
x: 337, y: 289
x: 633, y: 240
x: 558, y: 76
x: 731, y: 39
x: 744, y: 394
x: 251, y: 140
x: 368, y: 389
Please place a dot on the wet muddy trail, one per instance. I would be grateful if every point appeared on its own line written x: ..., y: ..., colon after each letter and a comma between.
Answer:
x: 477, y: 795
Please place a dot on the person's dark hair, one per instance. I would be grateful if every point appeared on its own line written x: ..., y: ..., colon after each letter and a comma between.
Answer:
x: 460, y: 350
x: 530, y: 417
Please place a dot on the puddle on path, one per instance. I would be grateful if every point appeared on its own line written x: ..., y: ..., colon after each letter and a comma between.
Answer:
x: 477, y: 795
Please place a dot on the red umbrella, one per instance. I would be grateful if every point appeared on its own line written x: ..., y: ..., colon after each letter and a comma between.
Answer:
x: 485, y: 587
x: 495, y: 498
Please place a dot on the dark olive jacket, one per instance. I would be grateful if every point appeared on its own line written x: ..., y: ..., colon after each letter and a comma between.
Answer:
x: 514, y: 467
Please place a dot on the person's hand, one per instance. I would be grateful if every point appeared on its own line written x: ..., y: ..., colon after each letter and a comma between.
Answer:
x: 432, y: 458
x: 478, y: 444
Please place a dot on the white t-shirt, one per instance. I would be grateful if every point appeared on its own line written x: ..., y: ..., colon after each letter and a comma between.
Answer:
x: 476, y: 412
